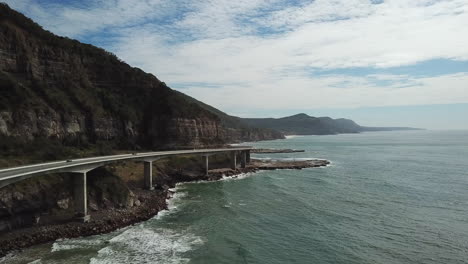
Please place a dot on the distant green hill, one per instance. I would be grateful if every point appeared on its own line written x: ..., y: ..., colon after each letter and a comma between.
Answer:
x: 302, y: 124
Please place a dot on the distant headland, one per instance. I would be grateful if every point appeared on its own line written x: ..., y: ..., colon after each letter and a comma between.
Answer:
x: 303, y: 124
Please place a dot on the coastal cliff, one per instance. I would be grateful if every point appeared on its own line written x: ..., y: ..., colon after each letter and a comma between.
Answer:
x: 57, y: 88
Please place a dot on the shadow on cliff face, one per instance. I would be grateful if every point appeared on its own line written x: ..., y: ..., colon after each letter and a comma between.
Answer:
x: 23, y: 203
x: 49, y: 198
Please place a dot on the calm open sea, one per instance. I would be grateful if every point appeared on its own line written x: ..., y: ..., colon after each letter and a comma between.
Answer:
x: 388, y: 197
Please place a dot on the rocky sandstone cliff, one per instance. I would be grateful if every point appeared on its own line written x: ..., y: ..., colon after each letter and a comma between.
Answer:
x: 54, y: 87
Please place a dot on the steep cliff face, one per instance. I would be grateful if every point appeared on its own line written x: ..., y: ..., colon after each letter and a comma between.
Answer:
x: 55, y: 87
x: 51, y: 124
x: 195, y: 132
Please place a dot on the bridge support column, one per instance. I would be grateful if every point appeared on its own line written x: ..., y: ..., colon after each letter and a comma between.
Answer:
x: 247, y: 156
x: 206, y: 163
x: 81, y: 199
x: 148, y: 175
x: 233, y: 160
x: 243, y: 159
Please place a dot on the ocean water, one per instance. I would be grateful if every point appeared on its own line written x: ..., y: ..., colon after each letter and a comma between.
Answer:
x: 388, y: 197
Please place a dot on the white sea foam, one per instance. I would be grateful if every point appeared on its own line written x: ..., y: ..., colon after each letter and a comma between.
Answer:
x: 69, y: 244
x: 5, y: 258
x: 15, y: 257
x: 178, y: 193
x: 59, y: 247
x: 331, y: 164
x: 172, y: 202
x: 8, y: 258
x: 237, y: 176
x: 144, y: 245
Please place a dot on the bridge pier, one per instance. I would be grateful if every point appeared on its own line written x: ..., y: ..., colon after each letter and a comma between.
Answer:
x: 206, y: 164
x: 243, y: 159
x: 233, y: 160
x: 148, y: 171
x: 81, y: 197
x: 79, y: 168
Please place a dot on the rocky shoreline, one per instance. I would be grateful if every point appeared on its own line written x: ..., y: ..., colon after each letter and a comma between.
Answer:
x: 150, y: 203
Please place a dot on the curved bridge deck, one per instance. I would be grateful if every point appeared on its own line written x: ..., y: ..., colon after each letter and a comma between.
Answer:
x: 81, y: 166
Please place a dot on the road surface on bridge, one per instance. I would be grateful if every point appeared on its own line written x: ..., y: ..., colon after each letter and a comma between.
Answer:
x: 11, y: 175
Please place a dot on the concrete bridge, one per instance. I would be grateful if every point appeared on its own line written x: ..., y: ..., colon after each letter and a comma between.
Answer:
x: 80, y: 167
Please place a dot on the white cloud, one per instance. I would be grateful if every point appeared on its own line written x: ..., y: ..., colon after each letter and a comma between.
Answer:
x: 328, y: 92
x: 220, y: 43
x: 80, y: 18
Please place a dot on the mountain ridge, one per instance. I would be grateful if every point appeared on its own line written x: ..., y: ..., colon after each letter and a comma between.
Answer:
x: 303, y: 124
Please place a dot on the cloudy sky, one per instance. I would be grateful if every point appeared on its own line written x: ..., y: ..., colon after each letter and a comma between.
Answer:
x: 379, y: 62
